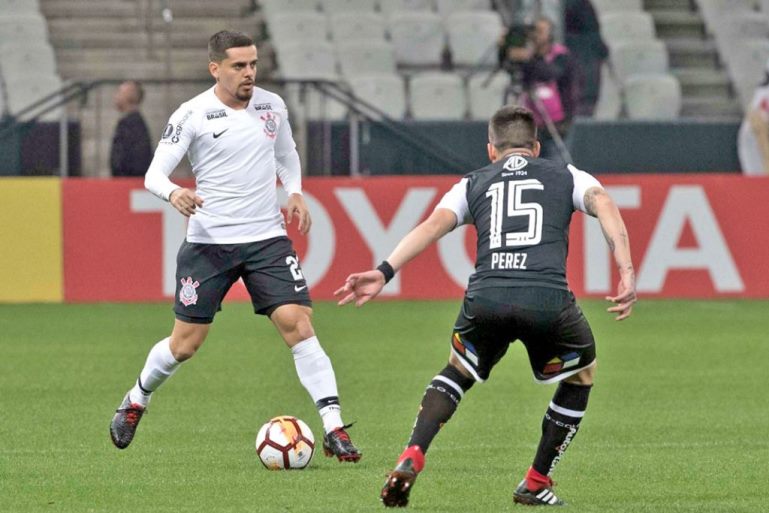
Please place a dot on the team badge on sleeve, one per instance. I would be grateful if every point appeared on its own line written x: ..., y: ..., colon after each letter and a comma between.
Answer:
x: 270, y: 124
x: 189, y: 294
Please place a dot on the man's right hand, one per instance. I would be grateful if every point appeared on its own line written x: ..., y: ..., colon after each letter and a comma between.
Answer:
x: 185, y: 201
x: 626, y: 296
x: 361, y: 287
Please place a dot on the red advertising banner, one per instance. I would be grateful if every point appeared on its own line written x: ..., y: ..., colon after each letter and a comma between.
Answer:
x: 692, y: 236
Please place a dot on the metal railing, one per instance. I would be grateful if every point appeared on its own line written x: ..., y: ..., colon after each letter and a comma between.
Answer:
x: 360, y: 112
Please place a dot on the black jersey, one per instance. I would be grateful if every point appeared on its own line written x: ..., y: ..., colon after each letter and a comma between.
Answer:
x: 521, y: 208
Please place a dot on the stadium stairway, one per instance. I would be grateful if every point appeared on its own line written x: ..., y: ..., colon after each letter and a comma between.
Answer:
x: 125, y: 39
x: 706, y: 88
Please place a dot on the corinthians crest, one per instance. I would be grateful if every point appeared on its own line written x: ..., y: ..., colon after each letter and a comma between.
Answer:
x: 188, y: 295
x: 270, y: 124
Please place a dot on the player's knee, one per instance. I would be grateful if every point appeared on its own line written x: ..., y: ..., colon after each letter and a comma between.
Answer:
x: 583, y: 377
x: 186, y: 339
x: 183, y: 349
x: 294, y: 322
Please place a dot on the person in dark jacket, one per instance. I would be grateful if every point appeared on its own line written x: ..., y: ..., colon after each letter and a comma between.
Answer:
x: 131, y: 151
x: 582, y: 35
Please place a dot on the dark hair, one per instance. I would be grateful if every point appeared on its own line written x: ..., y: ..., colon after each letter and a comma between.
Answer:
x: 223, y: 40
x: 512, y: 127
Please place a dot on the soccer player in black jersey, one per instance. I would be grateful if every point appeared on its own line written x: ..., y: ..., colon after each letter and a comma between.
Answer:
x: 521, y: 206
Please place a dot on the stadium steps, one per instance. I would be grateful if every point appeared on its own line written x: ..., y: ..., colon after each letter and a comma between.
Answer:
x: 112, y: 41
x: 706, y: 88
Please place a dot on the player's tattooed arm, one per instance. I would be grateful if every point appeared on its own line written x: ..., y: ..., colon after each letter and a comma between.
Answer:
x: 598, y: 203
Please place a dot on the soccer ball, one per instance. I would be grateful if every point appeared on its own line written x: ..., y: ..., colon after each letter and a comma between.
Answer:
x: 285, y: 443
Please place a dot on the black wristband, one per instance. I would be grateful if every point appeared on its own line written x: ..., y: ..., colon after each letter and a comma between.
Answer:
x: 386, y: 269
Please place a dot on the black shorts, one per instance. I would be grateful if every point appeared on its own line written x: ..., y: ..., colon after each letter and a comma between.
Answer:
x: 548, y: 321
x: 205, y: 272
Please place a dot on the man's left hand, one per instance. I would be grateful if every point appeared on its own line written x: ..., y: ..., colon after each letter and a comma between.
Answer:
x: 297, y: 207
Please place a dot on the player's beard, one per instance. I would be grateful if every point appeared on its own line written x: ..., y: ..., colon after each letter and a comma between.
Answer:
x: 244, y: 96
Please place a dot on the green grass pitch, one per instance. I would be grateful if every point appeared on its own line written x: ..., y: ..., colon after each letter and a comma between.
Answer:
x: 678, y: 420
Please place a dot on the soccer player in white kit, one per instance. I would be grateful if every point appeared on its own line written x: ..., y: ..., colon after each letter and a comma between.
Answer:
x: 238, y: 140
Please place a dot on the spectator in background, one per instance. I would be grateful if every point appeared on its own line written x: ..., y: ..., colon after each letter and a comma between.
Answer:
x: 131, y: 151
x: 753, y: 137
x: 582, y: 36
x: 543, y: 79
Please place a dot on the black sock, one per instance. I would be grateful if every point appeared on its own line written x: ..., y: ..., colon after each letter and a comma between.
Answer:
x: 560, y: 425
x: 438, y: 405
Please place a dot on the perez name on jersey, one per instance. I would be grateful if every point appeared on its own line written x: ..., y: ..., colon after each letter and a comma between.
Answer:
x: 509, y: 261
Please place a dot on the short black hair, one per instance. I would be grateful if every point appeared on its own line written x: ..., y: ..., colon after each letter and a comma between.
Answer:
x: 512, y: 127
x: 223, y: 40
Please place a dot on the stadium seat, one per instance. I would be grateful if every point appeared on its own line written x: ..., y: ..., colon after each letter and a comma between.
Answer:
x: 417, y: 37
x: 437, y: 96
x: 448, y: 7
x: 621, y: 26
x: 609, y: 105
x: 286, y: 28
x: 314, y: 105
x: 337, y: 6
x: 653, y: 97
x: 484, y: 99
x: 24, y: 27
x: 734, y: 27
x: 305, y: 60
x: 389, y: 6
x: 713, y: 10
x: 383, y: 91
x: 357, y: 26
x: 365, y: 57
x: 746, y: 66
x: 639, y: 57
x: 605, y: 6
x: 23, y: 92
x: 14, y: 7
x: 273, y: 7
x: 27, y: 59
x: 473, y: 37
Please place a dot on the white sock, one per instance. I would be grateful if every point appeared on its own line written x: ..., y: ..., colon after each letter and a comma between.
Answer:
x: 160, y: 365
x: 316, y: 374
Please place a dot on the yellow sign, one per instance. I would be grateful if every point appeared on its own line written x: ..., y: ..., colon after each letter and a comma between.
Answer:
x: 31, y: 262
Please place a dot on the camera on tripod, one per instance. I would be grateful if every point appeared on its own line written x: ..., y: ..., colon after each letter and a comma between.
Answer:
x: 518, y: 36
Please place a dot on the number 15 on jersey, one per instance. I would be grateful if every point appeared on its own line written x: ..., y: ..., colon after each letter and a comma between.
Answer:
x: 515, y: 206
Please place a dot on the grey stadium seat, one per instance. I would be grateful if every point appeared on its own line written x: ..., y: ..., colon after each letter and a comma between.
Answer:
x: 306, y: 60
x: 473, y: 37
x: 22, y: 92
x: 437, y: 96
x: 389, y: 6
x: 620, y: 26
x: 286, y: 28
x: 448, y: 7
x: 349, y: 26
x: 384, y: 91
x: 639, y: 57
x: 417, y: 37
x: 365, y: 57
x: 336, y: 6
x: 653, y: 97
x: 604, y: 6
x: 484, y: 99
x: 273, y: 7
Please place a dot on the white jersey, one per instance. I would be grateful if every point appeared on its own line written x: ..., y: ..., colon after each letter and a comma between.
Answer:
x: 748, y: 150
x: 236, y: 157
